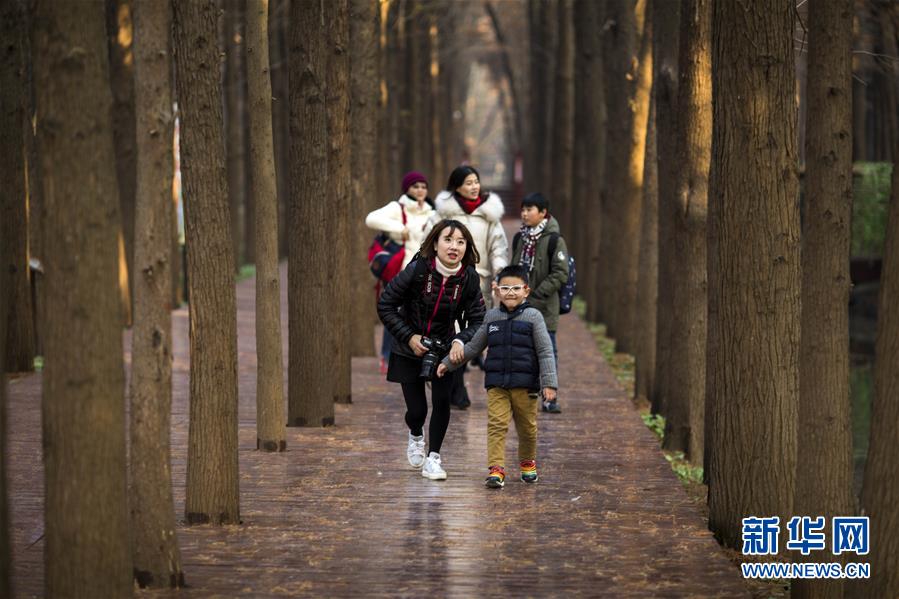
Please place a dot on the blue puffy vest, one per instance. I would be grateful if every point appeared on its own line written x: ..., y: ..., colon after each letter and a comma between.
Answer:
x: 512, y: 357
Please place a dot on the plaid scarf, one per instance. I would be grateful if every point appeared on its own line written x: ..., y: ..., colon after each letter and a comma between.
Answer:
x: 529, y: 237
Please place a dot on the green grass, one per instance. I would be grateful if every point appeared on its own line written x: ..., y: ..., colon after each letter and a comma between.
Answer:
x: 870, y: 201
x: 246, y: 271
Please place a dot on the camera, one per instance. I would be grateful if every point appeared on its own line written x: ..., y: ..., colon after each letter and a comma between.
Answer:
x: 436, y: 350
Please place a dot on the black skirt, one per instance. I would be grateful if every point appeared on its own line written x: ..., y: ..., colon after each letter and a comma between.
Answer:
x: 403, y: 369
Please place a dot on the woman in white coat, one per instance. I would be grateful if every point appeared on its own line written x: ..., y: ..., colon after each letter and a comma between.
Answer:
x: 404, y: 220
x: 482, y: 214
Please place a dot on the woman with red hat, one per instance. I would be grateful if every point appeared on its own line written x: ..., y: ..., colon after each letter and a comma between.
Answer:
x: 404, y: 220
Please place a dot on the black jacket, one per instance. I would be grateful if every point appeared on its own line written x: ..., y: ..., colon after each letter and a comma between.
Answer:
x: 418, y: 301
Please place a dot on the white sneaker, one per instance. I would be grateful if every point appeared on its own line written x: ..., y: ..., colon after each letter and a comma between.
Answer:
x: 415, y: 451
x: 432, y: 468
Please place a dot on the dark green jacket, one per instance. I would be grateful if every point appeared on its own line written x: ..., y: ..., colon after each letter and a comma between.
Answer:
x: 548, y: 274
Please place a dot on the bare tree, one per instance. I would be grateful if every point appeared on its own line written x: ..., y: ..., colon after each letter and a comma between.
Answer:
x: 542, y: 18
x: 364, y: 120
x: 212, y: 468
x: 754, y: 269
x: 312, y: 319
x: 648, y: 266
x: 235, y: 95
x: 589, y: 146
x: 563, y: 118
x: 86, y: 549
x: 666, y: 27
x: 685, y: 400
x: 270, y: 413
x: 157, y: 559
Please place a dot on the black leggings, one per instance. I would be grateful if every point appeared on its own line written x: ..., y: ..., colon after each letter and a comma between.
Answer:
x: 417, y: 408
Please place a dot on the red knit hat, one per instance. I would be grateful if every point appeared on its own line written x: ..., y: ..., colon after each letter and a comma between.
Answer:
x: 411, y: 178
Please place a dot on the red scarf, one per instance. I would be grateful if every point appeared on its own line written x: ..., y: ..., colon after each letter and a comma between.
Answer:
x: 467, y: 205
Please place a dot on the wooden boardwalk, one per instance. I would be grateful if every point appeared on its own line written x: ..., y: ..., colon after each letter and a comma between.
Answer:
x: 341, y: 513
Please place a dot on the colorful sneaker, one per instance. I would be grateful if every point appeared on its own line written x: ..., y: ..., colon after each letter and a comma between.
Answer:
x: 415, y: 451
x: 529, y: 471
x: 432, y: 469
x: 497, y: 477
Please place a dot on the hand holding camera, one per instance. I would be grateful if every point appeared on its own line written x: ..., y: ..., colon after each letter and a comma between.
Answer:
x: 436, y: 349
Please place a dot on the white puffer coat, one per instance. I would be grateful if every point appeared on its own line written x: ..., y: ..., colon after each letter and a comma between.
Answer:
x: 390, y: 220
x: 485, y: 226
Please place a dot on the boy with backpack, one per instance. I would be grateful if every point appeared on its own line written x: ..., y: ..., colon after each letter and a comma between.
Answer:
x: 540, y: 248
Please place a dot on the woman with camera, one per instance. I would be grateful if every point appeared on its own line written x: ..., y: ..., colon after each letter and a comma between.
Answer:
x: 420, y: 307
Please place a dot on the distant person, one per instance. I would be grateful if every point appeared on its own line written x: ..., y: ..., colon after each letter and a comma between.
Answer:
x: 519, y: 362
x: 542, y: 251
x: 481, y: 212
x: 404, y: 220
x: 421, y: 307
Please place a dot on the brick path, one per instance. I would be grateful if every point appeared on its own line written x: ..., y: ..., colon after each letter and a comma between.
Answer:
x: 341, y: 514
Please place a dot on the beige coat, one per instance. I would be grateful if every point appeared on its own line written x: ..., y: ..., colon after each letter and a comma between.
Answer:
x: 390, y: 220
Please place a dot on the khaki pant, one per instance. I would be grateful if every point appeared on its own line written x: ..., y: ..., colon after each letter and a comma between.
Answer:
x: 501, y: 405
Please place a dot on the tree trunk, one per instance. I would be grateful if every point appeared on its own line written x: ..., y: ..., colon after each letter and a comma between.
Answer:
x: 685, y: 399
x: 589, y: 147
x: 312, y: 383
x: 364, y: 117
x: 628, y: 210
x: 338, y: 103
x: 235, y: 82
x: 278, y: 58
x: 880, y: 491
x: 563, y: 119
x: 212, y: 471
x: 824, y: 456
x: 542, y: 15
x: 666, y: 27
x: 16, y: 277
x: 86, y: 552
x: 5, y: 528
x: 157, y: 559
x: 396, y: 78
x: 120, y: 35
x: 619, y: 55
x: 648, y: 266
x: 270, y: 414
x: 33, y: 188
x: 756, y: 288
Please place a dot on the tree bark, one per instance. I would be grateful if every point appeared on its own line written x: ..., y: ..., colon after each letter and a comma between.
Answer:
x: 338, y: 104
x: 278, y: 58
x: 619, y: 57
x: 648, y: 266
x: 666, y: 27
x: 235, y: 87
x: 542, y: 15
x: 86, y: 550
x: 880, y: 490
x: 157, y: 559
x: 312, y: 318
x: 685, y: 415
x: 824, y: 455
x: 628, y: 211
x: 563, y: 119
x: 5, y: 528
x: 364, y: 117
x: 120, y: 35
x: 270, y: 413
x: 16, y: 277
x: 754, y: 277
x: 212, y: 470
x: 589, y: 145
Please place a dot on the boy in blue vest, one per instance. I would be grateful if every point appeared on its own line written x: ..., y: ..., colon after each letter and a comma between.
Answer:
x: 520, y: 361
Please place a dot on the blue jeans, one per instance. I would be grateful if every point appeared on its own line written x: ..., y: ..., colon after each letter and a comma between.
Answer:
x: 552, y: 336
x: 386, y: 344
